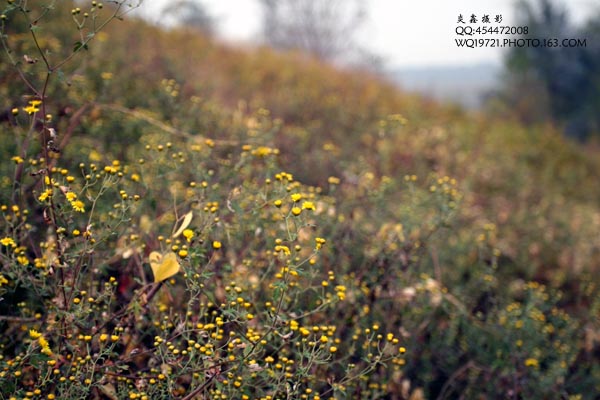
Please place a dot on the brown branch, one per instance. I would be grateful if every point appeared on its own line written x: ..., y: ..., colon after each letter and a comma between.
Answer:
x: 450, y: 382
x: 17, y: 319
x: 73, y: 123
x: 200, y: 388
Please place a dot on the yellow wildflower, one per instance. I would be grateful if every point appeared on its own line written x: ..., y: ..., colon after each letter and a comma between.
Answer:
x: 296, y: 197
x: 188, y: 234
x: 531, y: 362
x: 78, y: 206
x: 44, y: 345
x: 8, y: 241
x: 45, y: 195
x: 319, y: 243
x: 34, y: 334
x: 30, y: 109
x: 308, y: 205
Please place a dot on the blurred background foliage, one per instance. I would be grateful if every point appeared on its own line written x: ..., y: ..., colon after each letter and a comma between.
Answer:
x: 555, y: 83
x: 475, y: 237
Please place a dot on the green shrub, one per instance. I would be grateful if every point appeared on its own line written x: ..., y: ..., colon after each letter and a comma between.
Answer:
x: 152, y: 245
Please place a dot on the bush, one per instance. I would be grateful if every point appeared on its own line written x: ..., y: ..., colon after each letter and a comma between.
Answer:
x: 161, y: 238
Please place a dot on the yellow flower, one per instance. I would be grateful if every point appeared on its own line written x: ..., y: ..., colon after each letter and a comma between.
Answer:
x: 34, y: 334
x: 188, y: 234
x: 308, y: 205
x: 17, y: 159
x: 296, y: 211
x: 71, y: 196
x: 44, y: 345
x: 531, y: 362
x: 45, y: 195
x: 216, y: 245
x: 8, y: 241
x: 319, y: 243
x: 304, y: 331
x: 296, y: 197
x: 78, y: 206
x: 262, y: 151
x: 341, y: 292
x: 283, y: 249
x: 31, y: 109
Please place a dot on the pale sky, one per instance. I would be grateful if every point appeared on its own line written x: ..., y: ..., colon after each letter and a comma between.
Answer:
x: 405, y: 32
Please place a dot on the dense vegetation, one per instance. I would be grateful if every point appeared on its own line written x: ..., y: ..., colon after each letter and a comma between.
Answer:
x: 335, y: 237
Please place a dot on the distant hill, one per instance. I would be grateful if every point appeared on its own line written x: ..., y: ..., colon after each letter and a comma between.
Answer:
x: 465, y: 85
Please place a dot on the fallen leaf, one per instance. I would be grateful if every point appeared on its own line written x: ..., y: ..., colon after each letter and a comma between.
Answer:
x: 163, y: 267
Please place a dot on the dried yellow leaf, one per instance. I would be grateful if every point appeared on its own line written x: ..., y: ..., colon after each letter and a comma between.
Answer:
x: 163, y: 267
x: 187, y: 219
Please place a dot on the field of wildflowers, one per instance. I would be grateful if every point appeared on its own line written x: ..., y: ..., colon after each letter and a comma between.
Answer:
x: 181, y: 219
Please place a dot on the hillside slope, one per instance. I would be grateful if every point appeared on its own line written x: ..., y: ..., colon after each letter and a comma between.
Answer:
x: 346, y: 123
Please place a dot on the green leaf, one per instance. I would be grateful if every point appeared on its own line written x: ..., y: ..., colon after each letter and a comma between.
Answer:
x: 38, y: 359
x: 78, y: 46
